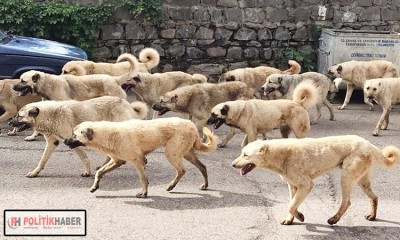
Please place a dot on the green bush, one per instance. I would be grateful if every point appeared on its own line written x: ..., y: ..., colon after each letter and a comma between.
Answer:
x: 55, y: 20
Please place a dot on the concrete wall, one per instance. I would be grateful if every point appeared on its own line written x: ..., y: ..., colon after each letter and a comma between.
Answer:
x: 208, y: 36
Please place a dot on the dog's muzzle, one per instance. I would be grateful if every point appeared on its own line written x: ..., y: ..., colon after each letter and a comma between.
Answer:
x: 161, y: 109
x: 268, y: 90
x: 370, y: 98
x: 22, y: 89
x: 73, y: 143
x: 127, y: 86
x: 216, y: 121
x: 21, y: 126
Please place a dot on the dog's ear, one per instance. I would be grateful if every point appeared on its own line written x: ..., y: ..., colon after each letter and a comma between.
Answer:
x: 224, y: 110
x: 137, y: 78
x: 34, y: 112
x: 174, y: 99
x: 35, y: 77
x: 280, y: 79
x: 224, y: 70
x: 89, y: 133
x: 339, y: 69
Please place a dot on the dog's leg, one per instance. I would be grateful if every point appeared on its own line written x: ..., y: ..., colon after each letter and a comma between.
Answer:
x: 301, y: 193
x: 176, y: 161
x: 250, y: 137
x: 192, y: 158
x: 51, y: 145
x: 155, y: 115
x: 349, y: 92
x: 139, y: 166
x: 285, y: 131
x: 386, y: 120
x: 32, y: 137
x: 347, y: 181
x: 365, y: 185
x: 318, y: 107
x: 228, y: 137
x: 245, y: 141
x: 109, y: 166
x: 330, y: 108
x: 4, y: 117
x: 381, y: 121
x: 86, y: 164
x: 292, y: 191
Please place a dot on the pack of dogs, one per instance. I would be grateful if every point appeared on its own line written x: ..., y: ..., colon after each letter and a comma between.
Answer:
x: 86, y: 107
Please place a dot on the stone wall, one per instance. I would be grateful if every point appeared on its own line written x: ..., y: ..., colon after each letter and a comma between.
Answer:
x: 210, y: 36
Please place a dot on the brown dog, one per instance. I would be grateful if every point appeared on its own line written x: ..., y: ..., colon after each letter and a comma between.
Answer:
x: 355, y: 73
x: 299, y: 161
x: 130, y: 141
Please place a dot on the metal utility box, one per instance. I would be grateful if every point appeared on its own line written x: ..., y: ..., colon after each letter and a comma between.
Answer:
x: 338, y: 46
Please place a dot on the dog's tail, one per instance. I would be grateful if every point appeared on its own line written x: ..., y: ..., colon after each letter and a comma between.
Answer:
x: 389, y: 157
x: 212, y: 141
x: 199, y: 78
x: 150, y: 57
x: 74, y: 68
x: 134, y: 66
x: 295, y: 68
x: 141, y: 109
x: 306, y: 94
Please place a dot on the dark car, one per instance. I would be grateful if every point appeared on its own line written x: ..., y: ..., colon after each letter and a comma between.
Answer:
x: 20, y: 54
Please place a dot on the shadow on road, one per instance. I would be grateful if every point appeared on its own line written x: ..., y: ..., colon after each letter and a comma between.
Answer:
x: 209, y: 199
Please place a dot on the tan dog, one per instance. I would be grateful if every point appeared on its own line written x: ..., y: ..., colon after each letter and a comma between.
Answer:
x: 285, y: 85
x: 11, y: 102
x: 255, y: 77
x: 64, y: 87
x: 259, y: 116
x: 150, y: 87
x: 355, y: 73
x: 198, y: 100
x: 385, y: 92
x: 131, y: 140
x: 299, y: 161
x: 149, y: 58
x: 56, y: 120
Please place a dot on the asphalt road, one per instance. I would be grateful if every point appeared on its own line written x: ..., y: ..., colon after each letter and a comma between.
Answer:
x: 233, y: 207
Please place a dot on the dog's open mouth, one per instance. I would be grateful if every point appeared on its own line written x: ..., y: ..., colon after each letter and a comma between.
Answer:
x: 73, y: 143
x: 247, y: 168
x: 268, y: 91
x: 20, y: 126
x: 127, y: 87
x: 161, y: 110
x: 219, y: 122
x: 370, y: 99
x: 22, y: 90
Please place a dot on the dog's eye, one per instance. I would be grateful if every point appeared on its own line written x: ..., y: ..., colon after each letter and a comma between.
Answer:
x: 374, y: 89
x: 244, y: 155
x: 23, y: 81
x: 367, y: 88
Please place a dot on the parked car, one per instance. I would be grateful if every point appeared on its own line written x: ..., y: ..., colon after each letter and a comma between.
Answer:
x: 20, y: 54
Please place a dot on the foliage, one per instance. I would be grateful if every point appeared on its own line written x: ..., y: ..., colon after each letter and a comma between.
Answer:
x: 302, y: 55
x: 149, y: 9
x: 54, y: 19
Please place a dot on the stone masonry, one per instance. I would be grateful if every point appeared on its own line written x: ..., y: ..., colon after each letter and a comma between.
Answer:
x: 210, y: 36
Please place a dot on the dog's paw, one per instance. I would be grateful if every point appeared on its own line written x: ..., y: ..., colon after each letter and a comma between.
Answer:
x: 375, y: 133
x: 370, y: 217
x: 221, y: 145
x: 333, y: 220
x: 286, y: 222
x: 11, y: 133
x: 300, y: 217
x: 32, y: 174
x: 93, y: 189
x: 341, y: 107
x: 371, y: 108
x: 203, y: 187
x: 141, y: 195
x: 85, y: 175
x: 30, y: 139
x: 170, y: 187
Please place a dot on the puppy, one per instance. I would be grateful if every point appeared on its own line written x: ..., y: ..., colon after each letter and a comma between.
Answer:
x: 299, y: 161
x: 11, y: 102
x: 285, y: 85
x: 255, y: 77
x: 149, y: 58
x: 56, y: 120
x: 356, y: 73
x: 65, y: 87
x: 259, y: 116
x: 130, y: 141
x: 385, y: 92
